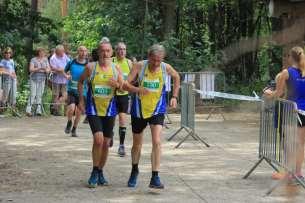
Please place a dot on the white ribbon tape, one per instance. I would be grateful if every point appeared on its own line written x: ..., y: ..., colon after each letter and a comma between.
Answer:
x: 228, y: 96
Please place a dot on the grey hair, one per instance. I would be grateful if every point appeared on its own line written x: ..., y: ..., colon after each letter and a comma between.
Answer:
x: 156, y: 49
x: 118, y: 44
x: 105, y: 40
x: 59, y: 47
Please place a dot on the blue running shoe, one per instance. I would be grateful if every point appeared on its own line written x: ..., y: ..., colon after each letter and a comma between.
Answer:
x: 156, y: 183
x: 132, y: 182
x: 92, y: 182
x: 101, y: 179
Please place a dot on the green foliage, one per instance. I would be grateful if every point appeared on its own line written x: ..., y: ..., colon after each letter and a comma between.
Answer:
x: 21, y: 28
x: 195, y: 33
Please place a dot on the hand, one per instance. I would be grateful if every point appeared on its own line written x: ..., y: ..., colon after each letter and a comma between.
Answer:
x: 268, y: 93
x: 173, y: 102
x: 68, y: 76
x: 13, y: 75
x: 113, y: 83
x: 143, y: 91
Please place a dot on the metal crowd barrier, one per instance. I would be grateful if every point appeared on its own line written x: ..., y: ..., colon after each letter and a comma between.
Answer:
x: 278, y: 138
x: 188, y: 114
x: 207, y: 81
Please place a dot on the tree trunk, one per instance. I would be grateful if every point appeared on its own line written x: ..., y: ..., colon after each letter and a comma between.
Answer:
x: 169, y: 16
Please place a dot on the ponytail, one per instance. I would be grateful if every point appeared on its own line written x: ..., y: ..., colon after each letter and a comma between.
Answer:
x: 302, y: 64
x: 297, y: 54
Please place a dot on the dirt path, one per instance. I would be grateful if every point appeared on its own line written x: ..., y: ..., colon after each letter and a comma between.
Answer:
x: 39, y: 163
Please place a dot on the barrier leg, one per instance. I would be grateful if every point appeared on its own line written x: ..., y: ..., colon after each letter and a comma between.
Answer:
x: 210, y: 113
x: 221, y: 113
x: 168, y: 119
x: 166, y: 126
x: 183, y: 140
x: 253, y: 168
x: 187, y: 130
x: 197, y: 137
x: 171, y: 137
x: 280, y: 182
x: 272, y: 165
x: 302, y: 183
x: 284, y: 180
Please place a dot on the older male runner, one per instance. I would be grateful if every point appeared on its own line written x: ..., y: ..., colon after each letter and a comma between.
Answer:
x: 149, y: 107
x: 103, y: 77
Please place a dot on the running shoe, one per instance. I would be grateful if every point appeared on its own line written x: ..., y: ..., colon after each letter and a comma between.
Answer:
x: 73, y: 132
x: 132, y: 182
x: 121, y: 151
x: 68, y: 127
x: 156, y: 183
x: 93, y: 180
x: 101, y: 179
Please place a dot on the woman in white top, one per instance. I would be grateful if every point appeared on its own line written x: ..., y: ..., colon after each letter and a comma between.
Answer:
x: 39, y: 68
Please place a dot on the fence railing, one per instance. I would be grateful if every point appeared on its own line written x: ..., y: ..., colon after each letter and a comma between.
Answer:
x: 278, y: 138
x: 187, y: 114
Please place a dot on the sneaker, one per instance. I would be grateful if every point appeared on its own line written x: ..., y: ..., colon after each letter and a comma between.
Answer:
x: 121, y: 151
x: 156, y: 183
x: 93, y: 180
x: 101, y: 179
x: 68, y: 127
x: 132, y: 182
x: 73, y: 132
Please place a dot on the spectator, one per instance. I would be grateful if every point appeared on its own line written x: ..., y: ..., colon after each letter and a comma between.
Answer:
x: 58, y: 63
x: 39, y: 68
x: 9, y: 77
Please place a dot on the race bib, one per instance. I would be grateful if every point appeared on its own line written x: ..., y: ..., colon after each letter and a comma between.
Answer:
x: 125, y: 76
x: 102, y: 91
x: 73, y: 84
x: 152, y: 85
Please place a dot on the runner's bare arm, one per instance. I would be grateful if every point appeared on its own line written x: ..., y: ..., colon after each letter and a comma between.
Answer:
x: 176, y: 78
x: 120, y: 78
x: 80, y: 85
x: 280, y: 85
x: 131, y: 77
x: 119, y: 81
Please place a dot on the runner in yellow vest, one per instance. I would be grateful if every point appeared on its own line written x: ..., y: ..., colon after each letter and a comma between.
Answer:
x: 122, y: 97
x: 149, y: 107
x: 103, y: 77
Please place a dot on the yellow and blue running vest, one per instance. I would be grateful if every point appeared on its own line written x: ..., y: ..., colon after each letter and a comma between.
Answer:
x: 123, y: 64
x: 100, y: 96
x: 153, y: 103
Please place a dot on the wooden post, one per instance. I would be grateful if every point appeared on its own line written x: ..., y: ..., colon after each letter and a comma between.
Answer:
x: 64, y: 13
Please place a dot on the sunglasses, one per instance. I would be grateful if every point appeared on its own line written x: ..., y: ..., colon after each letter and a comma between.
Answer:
x: 7, y: 52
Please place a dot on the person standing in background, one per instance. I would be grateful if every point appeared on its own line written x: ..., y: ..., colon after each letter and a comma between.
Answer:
x: 9, y: 78
x: 58, y: 63
x: 39, y: 68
